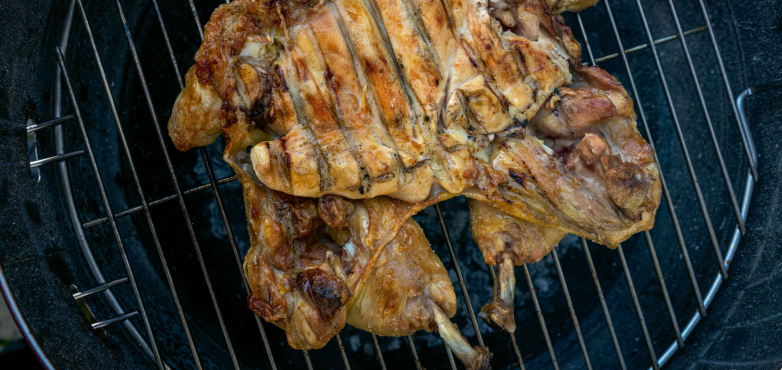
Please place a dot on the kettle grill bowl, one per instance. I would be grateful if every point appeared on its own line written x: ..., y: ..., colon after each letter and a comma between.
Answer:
x: 74, y: 245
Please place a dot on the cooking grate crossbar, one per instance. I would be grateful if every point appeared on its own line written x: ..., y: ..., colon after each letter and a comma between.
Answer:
x: 214, y: 185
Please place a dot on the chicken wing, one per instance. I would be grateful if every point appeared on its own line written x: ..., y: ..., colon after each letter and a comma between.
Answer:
x: 580, y: 166
x: 505, y: 242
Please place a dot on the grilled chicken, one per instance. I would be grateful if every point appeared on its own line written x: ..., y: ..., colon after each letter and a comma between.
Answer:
x: 506, y: 241
x: 418, y: 101
x: 601, y: 173
x: 399, y: 286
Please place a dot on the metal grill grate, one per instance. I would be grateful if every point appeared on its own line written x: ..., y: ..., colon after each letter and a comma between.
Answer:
x: 148, y: 342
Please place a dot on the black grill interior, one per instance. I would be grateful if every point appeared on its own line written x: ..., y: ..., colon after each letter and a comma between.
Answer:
x: 211, y: 235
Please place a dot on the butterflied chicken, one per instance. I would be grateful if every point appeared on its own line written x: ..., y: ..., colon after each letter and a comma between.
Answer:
x: 419, y: 101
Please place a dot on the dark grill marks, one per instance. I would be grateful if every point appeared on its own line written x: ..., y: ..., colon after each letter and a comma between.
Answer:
x: 473, y: 122
x: 414, y: 111
x: 415, y: 66
x: 449, y: 17
x: 423, y: 33
x: 413, y: 104
x: 378, y: 124
x: 338, y: 108
x: 292, y: 87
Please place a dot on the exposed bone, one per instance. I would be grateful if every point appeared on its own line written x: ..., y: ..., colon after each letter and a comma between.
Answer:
x: 499, y: 312
x: 473, y: 358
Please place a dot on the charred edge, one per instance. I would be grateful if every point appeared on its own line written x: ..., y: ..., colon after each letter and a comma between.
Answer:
x: 204, y: 70
x: 520, y: 178
x: 228, y: 114
x: 285, y: 155
x: 327, y: 292
x: 281, y: 77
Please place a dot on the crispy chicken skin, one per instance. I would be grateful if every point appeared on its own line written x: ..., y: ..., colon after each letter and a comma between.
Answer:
x: 376, y: 97
x: 601, y: 163
x: 313, y: 268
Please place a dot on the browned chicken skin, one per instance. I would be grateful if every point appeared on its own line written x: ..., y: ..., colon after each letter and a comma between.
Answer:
x: 411, y: 98
x: 366, y: 263
x: 623, y: 183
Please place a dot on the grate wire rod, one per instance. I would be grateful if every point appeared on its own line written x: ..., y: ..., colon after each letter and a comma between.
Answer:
x: 714, y: 143
x: 540, y: 316
x: 307, y: 360
x: 53, y: 122
x: 459, y: 274
x: 683, y: 144
x: 73, y: 213
x: 637, y: 305
x: 561, y: 275
x: 379, y: 354
x: 652, y: 251
x: 175, y: 182
x: 159, y: 201
x: 603, y: 303
x: 415, y: 353
x: 105, y: 323
x: 56, y: 158
x: 744, y: 138
x: 736, y: 238
x: 107, y: 206
x: 666, y: 193
x: 656, y: 42
x: 342, y: 350
x: 216, y: 192
x: 664, y: 289
x: 99, y: 288
x: 139, y: 190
